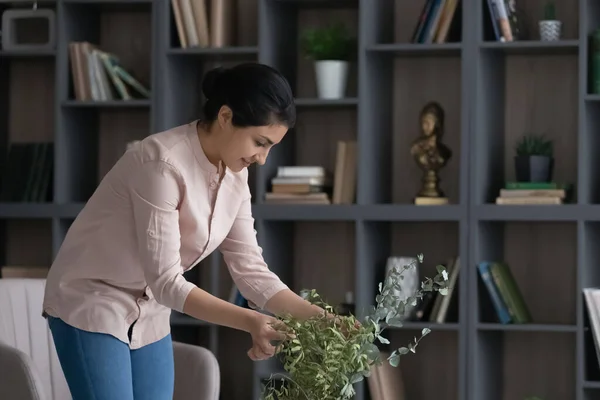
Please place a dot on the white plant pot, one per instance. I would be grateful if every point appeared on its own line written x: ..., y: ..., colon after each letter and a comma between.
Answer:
x: 550, y: 30
x: 331, y: 76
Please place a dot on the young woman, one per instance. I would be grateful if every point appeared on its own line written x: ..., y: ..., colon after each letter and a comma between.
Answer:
x: 170, y: 201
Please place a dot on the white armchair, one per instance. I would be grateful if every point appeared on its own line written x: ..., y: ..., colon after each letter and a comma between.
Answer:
x: 29, y: 367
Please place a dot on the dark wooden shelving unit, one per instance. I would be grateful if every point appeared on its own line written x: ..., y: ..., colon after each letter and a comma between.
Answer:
x: 492, y: 93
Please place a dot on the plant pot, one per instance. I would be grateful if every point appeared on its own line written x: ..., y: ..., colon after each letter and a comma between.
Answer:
x: 550, y: 30
x: 534, y: 168
x: 331, y: 76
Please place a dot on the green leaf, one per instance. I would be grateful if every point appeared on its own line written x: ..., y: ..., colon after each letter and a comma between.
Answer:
x: 394, y: 360
x: 425, y: 331
x: 383, y: 340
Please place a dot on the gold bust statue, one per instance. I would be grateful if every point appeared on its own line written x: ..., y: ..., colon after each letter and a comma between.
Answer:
x: 430, y: 154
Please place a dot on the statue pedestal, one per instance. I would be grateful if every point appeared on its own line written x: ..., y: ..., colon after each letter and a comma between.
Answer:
x: 431, y: 201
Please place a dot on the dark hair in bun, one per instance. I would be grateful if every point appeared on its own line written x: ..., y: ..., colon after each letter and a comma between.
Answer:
x: 257, y: 94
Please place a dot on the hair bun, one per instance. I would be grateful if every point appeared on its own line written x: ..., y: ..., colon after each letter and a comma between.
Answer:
x: 211, y: 81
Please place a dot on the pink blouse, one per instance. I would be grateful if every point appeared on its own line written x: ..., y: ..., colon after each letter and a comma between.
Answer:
x: 157, y: 213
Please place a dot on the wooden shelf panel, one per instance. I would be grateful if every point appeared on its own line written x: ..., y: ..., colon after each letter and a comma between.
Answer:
x: 532, y: 47
x: 507, y: 365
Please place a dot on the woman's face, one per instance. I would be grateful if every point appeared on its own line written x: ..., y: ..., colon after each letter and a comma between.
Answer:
x: 241, y: 147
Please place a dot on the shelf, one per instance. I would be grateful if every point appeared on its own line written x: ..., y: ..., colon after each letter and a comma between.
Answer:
x: 351, y: 212
x: 532, y: 47
x: 142, y: 103
x: 229, y: 52
x: 27, y: 53
x: 317, y: 4
x: 565, y: 212
x: 527, y: 327
x: 304, y: 212
x: 326, y: 103
x: 431, y: 325
x: 416, y: 49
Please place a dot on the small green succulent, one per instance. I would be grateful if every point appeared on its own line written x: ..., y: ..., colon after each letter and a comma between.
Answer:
x: 534, y: 145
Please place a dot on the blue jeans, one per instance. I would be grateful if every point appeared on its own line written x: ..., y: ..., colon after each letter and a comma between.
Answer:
x: 101, y: 367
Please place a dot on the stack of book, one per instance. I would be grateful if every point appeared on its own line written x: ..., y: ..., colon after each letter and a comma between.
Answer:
x: 315, y: 184
x: 300, y: 184
x: 534, y: 193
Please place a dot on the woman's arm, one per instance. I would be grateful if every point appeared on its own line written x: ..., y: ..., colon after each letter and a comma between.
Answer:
x: 206, y: 307
x: 287, y: 302
x: 257, y: 283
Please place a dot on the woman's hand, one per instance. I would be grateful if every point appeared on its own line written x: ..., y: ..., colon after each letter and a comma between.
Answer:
x: 264, y: 331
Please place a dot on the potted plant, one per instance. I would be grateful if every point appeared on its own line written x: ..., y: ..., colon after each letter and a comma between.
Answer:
x: 550, y: 27
x: 325, y: 356
x: 331, y: 49
x: 534, y: 159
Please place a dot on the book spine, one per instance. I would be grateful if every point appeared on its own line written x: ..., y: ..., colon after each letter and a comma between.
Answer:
x: 499, y: 305
x: 595, y: 58
x: 510, y: 292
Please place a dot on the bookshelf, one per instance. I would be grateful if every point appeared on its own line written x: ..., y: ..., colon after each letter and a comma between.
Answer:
x: 492, y: 93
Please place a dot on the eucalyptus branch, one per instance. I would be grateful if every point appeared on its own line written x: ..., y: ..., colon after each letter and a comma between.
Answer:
x: 325, y: 357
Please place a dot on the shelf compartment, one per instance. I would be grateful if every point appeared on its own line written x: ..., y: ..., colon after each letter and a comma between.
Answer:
x: 516, y: 96
x: 27, y: 118
x: 304, y: 82
x: 416, y: 370
x: 123, y: 29
x: 393, y: 24
x: 590, y: 187
x: 299, y: 148
x: 528, y: 15
x: 507, y: 365
x: 541, y: 257
x: 438, y: 242
x: 239, y: 35
x: 303, y: 254
x: 20, y: 236
x: 392, y: 124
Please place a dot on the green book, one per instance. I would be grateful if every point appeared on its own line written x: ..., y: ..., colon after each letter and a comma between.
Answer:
x: 510, y: 293
x: 536, y: 185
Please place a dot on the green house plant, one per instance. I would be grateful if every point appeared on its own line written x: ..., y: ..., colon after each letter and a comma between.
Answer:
x: 534, y: 159
x: 326, y: 356
x: 550, y: 27
x: 330, y: 48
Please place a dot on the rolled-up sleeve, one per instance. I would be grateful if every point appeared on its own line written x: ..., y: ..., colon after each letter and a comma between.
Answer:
x: 245, y: 262
x: 155, y: 193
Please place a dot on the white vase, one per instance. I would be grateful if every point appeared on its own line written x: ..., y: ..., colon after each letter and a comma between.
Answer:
x: 331, y: 76
x: 550, y: 30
